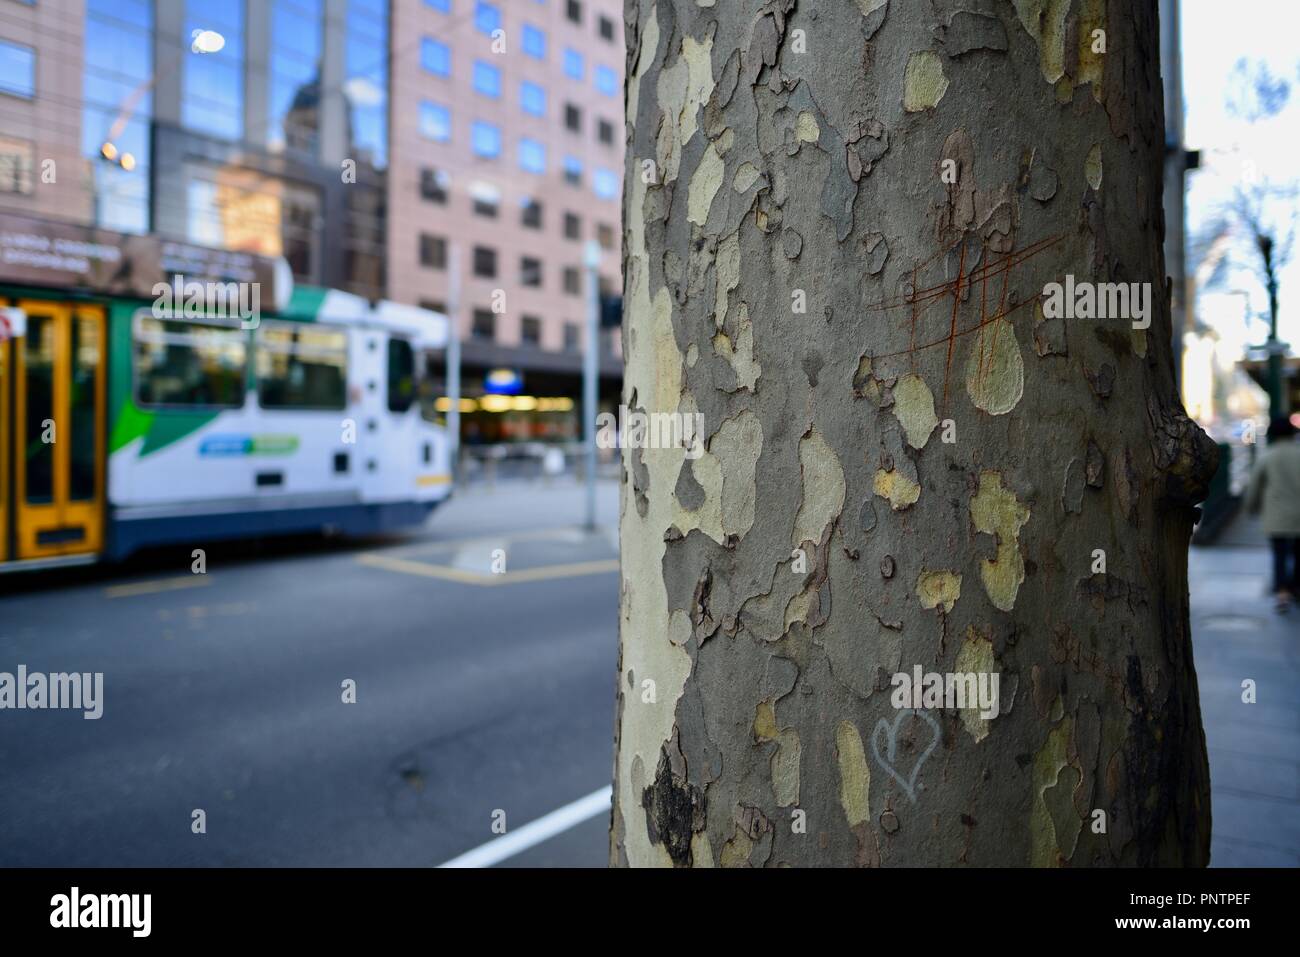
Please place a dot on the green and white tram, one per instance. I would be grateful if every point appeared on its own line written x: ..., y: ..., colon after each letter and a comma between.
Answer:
x: 123, y: 426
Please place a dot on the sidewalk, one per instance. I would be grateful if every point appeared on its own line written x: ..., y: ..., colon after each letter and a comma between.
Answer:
x: 1254, y: 748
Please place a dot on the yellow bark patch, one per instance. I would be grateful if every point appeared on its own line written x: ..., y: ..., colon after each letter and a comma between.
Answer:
x: 995, y: 511
x: 785, y: 769
x: 746, y: 176
x: 727, y: 274
x: 914, y: 409
x: 1092, y: 166
x: 1048, y: 762
x: 765, y: 721
x: 870, y: 6
x: 704, y: 186
x: 823, y: 488
x: 938, y: 589
x: 806, y: 129
x: 975, y: 657
x: 1044, y: 20
x: 897, y: 487
x: 855, y: 775
x: 923, y: 81
x: 1092, y: 16
x: 995, y: 372
x: 740, y: 356
x: 701, y: 850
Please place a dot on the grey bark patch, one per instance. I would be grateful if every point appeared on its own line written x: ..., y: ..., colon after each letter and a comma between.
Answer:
x: 1043, y: 182
x: 1102, y: 381
x: 1072, y: 488
x: 874, y: 20
x: 867, y: 517
x: 812, y: 365
x: 1094, y: 465
x: 689, y: 492
x: 877, y: 252
x: 791, y: 244
x: 967, y: 31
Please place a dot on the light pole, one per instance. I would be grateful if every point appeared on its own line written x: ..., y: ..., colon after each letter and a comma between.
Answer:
x: 590, y: 372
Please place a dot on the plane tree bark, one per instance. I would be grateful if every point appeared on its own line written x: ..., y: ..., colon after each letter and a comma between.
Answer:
x: 841, y: 222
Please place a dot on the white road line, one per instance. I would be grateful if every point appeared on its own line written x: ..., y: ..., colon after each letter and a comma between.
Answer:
x: 535, y: 832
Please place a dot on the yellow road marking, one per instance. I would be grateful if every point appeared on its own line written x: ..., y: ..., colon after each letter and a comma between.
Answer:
x: 447, y: 573
x: 158, y: 585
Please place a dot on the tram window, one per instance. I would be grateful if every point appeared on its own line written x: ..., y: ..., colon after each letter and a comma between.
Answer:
x: 301, y: 367
x: 401, y: 375
x: 188, y: 363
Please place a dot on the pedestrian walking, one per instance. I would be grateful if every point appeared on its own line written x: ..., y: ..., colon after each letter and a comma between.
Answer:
x: 1274, y: 495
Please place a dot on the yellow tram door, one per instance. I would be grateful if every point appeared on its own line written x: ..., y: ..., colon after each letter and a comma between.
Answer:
x: 58, y: 430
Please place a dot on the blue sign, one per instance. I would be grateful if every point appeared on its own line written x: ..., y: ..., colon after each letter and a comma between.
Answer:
x: 503, y: 382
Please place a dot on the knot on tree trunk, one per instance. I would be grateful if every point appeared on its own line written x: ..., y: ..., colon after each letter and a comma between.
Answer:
x: 1184, y: 455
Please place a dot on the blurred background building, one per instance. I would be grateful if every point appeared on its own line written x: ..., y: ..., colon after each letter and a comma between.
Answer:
x: 373, y: 144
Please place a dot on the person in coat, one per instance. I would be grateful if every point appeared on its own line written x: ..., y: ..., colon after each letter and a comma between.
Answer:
x: 1274, y: 495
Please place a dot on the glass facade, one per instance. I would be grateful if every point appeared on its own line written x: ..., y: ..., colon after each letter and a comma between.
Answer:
x: 212, y: 85
x: 294, y: 83
x: 117, y: 107
x: 366, y: 87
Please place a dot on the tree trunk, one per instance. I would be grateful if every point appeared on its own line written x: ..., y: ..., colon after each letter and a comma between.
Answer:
x: 842, y: 222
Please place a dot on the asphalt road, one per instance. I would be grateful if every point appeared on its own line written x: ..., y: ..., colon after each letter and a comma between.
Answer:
x: 475, y: 694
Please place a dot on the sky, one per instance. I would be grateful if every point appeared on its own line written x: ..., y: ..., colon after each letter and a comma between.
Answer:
x: 1214, y: 36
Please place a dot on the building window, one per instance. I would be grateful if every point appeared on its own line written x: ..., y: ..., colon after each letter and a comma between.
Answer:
x: 532, y: 99
x: 573, y: 170
x: 434, y: 305
x: 487, y: 17
x: 366, y: 85
x: 435, y: 57
x: 605, y: 183
x: 572, y: 118
x: 606, y: 27
x: 435, y: 122
x: 486, y: 206
x: 605, y: 235
x: 485, y: 262
x: 487, y: 79
x: 485, y: 139
x: 531, y: 331
x: 442, y: 6
x: 574, y: 68
x: 16, y: 160
x: 433, y: 251
x: 573, y: 280
x: 605, y: 132
x: 189, y: 363
x: 301, y: 366
x: 484, y: 325
x: 572, y: 226
x: 212, y: 85
x: 532, y: 156
x: 534, y: 42
x: 530, y: 272
x: 607, y: 81
x: 293, y: 88
x: 531, y: 215
x: 572, y: 337
x: 433, y: 185
x: 573, y: 10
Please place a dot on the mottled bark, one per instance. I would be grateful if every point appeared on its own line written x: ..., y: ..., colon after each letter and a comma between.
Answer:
x: 920, y: 467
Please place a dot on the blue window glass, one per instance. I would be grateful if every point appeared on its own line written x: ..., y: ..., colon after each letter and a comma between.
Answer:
x: 573, y: 170
x: 441, y: 5
x: 532, y: 156
x: 212, y: 86
x: 573, y: 65
x: 435, y: 57
x: 435, y: 122
x: 293, y: 79
x: 487, y: 79
x: 605, y: 183
x: 17, y: 69
x: 487, y: 17
x: 532, y: 98
x: 534, y: 42
x: 366, y: 84
x: 485, y: 139
x: 607, y: 81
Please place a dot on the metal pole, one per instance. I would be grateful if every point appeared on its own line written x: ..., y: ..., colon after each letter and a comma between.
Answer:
x: 453, y: 359
x: 590, y: 369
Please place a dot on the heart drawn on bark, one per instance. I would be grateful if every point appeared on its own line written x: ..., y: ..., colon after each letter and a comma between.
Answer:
x: 890, y: 733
